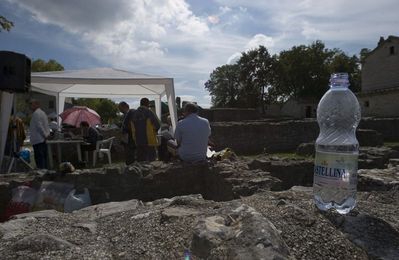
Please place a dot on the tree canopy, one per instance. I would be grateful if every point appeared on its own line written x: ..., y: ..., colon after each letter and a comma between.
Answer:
x: 300, y: 72
x: 40, y: 65
x: 106, y: 108
x: 224, y: 86
x: 242, y: 84
x: 5, y: 24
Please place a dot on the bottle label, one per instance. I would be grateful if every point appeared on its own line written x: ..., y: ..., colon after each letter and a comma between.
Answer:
x: 335, y: 170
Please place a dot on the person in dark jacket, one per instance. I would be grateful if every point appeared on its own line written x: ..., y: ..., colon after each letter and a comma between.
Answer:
x: 90, y: 136
x: 146, y: 125
x: 128, y: 138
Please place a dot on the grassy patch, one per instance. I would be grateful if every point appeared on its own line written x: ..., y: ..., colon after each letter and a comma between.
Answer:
x: 285, y: 155
x: 291, y: 156
x: 388, y: 144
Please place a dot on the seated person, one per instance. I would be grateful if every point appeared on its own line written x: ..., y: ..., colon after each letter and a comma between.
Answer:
x: 90, y: 136
x: 192, y: 135
x: 53, y: 125
x: 166, y: 135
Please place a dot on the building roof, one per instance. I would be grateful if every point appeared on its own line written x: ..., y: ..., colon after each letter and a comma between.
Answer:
x: 382, y: 42
x: 378, y: 91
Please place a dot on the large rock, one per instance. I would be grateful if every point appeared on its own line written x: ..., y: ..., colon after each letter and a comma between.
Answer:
x: 378, y: 179
x: 241, y: 233
x: 297, y: 172
x: 306, y: 149
x: 375, y: 157
x: 41, y: 242
x: 267, y: 225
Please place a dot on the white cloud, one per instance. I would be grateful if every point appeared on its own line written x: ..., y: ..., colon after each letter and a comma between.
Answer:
x: 260, y: 39
x: 309, y: 31
x: 233, y: 59
x: 166, y: 37
x: 336, y: 22
x: 214, y: 19
x: 253, y: 43
x: 206, y: 101
x: 189, y: 98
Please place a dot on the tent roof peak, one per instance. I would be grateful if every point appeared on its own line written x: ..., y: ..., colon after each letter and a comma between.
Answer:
x: 95, y: 73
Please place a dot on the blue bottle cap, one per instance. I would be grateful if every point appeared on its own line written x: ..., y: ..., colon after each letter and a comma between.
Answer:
x: 187, y: 255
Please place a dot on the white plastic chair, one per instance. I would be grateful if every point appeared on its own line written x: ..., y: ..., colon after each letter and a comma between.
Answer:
x: 103, y: 147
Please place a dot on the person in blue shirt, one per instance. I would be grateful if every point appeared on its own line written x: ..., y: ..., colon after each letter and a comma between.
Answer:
x: 192, y: 135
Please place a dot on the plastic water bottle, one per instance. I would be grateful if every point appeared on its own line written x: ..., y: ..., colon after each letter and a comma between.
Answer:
x: 337, y: 149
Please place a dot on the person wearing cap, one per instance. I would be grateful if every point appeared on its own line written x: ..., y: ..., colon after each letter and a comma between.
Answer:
x: 146, y: 126
x: 39, y: 132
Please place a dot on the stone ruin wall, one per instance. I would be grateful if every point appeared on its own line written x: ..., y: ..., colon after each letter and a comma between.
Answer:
x: 388, y: 127
x: 245, y: 133
x: 258, y: 136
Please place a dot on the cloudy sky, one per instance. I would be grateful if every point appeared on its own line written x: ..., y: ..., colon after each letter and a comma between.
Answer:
x: 188, y: 39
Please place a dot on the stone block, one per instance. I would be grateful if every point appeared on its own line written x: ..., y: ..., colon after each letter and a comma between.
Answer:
x: 306, y: 149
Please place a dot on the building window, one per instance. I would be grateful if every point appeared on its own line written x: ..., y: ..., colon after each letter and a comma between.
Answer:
x: 392, y: 50
x: 308, y: 112
x: 366, y: 103
x: 51, y: 104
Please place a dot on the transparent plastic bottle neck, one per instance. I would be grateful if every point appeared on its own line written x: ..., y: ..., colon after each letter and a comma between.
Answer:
x: 339, y: 81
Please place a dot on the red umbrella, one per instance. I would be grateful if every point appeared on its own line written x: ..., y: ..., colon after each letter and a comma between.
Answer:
x: 77, y: 114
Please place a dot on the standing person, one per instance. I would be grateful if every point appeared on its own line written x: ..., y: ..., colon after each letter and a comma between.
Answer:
x: 39, y: 131
x: 16, y: 132
x: 128, y: 139
x: 146, y: 125
x: 192, y: 135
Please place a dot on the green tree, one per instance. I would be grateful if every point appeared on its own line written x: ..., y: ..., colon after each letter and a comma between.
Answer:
x: 224, y: 86
x: 5, y: 24
x: 256, y: 74
x: 242, y: 84
x: 40, y: 65
x: 363, y: 54
x: 300, y: 72
x: 106, y: 108
x: 303, y: 72
x: 351, y: 65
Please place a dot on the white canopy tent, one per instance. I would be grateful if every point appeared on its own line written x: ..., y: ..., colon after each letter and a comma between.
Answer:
x: 105, y: 83
x: 93, y: 83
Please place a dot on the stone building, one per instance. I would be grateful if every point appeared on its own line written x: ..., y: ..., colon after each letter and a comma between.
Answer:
x: 380, y: 80
x: 379, y: 96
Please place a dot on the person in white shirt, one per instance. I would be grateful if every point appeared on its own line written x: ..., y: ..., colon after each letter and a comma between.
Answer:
x: 39, y: 131
x: 192, y: 135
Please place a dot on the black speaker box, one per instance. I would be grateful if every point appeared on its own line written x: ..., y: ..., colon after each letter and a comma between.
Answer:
x: 14, y: 72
